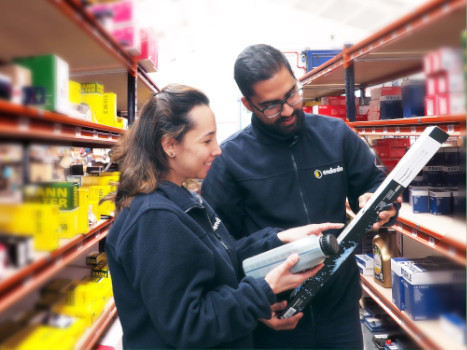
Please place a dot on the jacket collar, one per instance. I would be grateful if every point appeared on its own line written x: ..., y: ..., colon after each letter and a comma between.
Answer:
x: 266, y: 136
x: 183, y: 198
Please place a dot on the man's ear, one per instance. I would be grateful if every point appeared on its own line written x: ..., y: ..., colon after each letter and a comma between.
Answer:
x: 168, y: 144
x: 247, y: 104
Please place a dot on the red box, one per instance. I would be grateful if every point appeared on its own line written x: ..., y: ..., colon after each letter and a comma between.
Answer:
x: 431, y: 85
x: 148, y: 57
x: 397, y: 152
x: 391, y: 91
x: 129, y: 37
x: 333, y: 100
x: 447, y: 82
x: 383, y: 151
x: 448, y: 104
x: 308, y: 109
x: 124, y: 11
x: 430, y: 106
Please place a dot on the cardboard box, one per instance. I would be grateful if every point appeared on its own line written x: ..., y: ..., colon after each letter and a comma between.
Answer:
x: 129, y: 37
x: 109, y: 109
x: 51, y: 72
x: 64, y: 194
x: 74, y: 92
x: 20, y: 78
x: 432, y: 289
x: 451, y: 103
x: 148, y: 58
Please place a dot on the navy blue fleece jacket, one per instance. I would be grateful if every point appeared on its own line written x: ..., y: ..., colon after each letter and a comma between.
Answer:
x: 176, y: 274
x: 262, y: 179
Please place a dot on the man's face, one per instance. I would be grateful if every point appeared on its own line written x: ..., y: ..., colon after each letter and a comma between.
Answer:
x: 272, y: 91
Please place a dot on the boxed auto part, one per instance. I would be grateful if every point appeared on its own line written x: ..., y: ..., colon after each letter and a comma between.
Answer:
x: 432, y: 289
x: 52, y: 73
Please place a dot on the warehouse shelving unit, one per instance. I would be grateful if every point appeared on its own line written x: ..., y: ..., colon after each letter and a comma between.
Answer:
x: 65, y: 28
x: 394, y: 52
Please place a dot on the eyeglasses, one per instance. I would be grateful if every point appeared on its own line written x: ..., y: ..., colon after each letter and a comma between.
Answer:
x: 275, y: 109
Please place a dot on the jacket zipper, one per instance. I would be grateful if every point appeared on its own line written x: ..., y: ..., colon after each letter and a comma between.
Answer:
x: 299, y: 188
x: 210, y: 222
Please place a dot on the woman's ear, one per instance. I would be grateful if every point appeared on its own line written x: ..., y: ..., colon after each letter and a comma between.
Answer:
x: 168, y: 144
x: 247, y: 104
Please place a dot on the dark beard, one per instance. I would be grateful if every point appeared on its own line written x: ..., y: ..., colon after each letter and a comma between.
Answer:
x: 290, y: 130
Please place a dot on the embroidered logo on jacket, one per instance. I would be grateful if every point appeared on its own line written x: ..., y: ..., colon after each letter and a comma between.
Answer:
x: 215, y: 226
x: 320, y: 173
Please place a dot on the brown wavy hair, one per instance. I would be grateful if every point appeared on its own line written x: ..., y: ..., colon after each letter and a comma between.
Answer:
x: 139, y: 154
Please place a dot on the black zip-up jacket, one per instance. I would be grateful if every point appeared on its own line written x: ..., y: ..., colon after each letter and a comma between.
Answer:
x: 176, y: 274
x: 262, y: 179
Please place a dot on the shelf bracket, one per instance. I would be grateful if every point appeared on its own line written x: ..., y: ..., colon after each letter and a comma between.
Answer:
x: 132, y: 101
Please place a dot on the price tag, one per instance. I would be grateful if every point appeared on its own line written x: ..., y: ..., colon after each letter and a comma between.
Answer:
x: 431, y: 241
x: 414, y: 233
x: 450, y: 129
x: 413, y: 129
x: 95, y: 135
x: 385, y: 130
x: 78, y: 132
x: 373, y: 131
x: 57, y: 129
x: 363, y: 131
x: 109, y: 137
x: 398, y: 130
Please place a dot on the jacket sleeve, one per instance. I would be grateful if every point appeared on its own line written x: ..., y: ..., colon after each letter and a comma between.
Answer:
x: 257, y: 243
x: 362, y: 174
x: 185, y: 302
x: 221, y: 191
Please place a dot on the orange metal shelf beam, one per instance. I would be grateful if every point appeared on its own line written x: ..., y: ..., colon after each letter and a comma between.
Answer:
x: 402, y: 320
x: 429, y: 238
x: 99, y: 327
x: 34, y: 275
x: 31, y: 123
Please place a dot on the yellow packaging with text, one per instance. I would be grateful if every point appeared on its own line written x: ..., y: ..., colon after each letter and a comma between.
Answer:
x: 109, y: 111
x: 68, y: 223
x: 74, y: 90
x: 83, y: 212
x: 39, y: 220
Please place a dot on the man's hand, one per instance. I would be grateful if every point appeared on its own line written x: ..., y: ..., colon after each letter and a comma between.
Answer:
x: 299, y: 232
x: 385, y: 215
x: 281, y: 324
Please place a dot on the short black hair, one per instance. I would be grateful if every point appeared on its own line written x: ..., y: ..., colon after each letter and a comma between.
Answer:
x: 256, y: 63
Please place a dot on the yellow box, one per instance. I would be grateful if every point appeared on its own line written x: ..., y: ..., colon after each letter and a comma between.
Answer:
x: 95, y: 101
x: 96, y: 193
x: 92, y: 87
x: 74, y: 92
x: 68, y: 223
x: 35, y: 336
x: 39, y: 220
x: 119, y: 122
x: 95, y: 208
x: 109, y: 111
x: 83, y: 215
x: 89, y: 312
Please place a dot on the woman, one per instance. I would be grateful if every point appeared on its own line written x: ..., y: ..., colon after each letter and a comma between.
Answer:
x: 176, y: 272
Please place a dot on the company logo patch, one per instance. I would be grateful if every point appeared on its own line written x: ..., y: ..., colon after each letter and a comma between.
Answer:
x: 320, y: 173
x: 216, y: 224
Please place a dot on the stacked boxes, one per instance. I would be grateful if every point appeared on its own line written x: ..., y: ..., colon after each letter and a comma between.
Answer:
x: 20, y: 78
x: 335, y: 106
x: 432, y: 288
x: 391, y: 102
x: 93, y: 95
x: 445, y: 82
x: 413, y: 98
x: 391, y: 150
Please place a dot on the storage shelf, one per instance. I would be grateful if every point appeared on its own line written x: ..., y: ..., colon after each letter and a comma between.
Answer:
x: 64, y: 28
x: 93, y: 334
x: 30, y: 123
x: 454, y: 125
x: 427, y: 334
x: 446, y: 234
x: 393, y: 52
x: 46, y: 265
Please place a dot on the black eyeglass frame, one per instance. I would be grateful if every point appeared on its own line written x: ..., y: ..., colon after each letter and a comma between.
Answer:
x: 299, y: 90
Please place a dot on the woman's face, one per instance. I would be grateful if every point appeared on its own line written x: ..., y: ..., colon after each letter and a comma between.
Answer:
x: 194, y: 155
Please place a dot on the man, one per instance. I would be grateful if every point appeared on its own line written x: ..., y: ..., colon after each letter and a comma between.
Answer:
x: 288, y: 169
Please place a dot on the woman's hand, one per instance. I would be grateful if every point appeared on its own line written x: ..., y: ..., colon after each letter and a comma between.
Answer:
x: 385, y: 215
x: 296, y: 233
x: 281, y: 279
x: 281, y: 324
